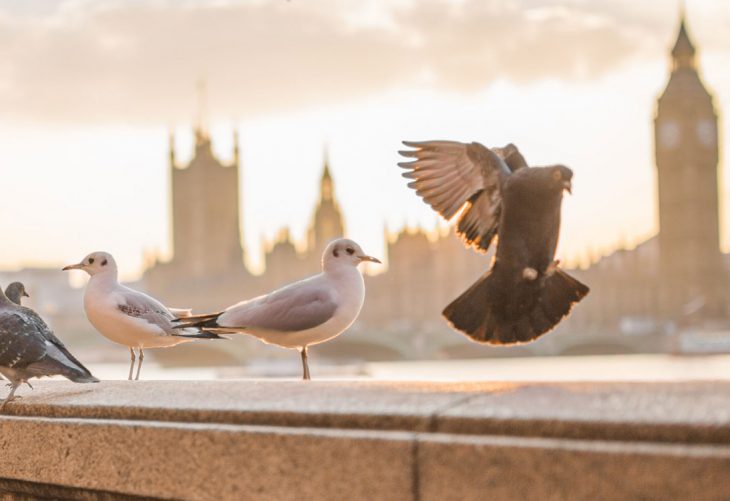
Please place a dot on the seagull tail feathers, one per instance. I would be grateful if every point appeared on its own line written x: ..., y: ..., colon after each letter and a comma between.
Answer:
x: 200, y: 334
x: 203, y: 321
x: 474, y: 312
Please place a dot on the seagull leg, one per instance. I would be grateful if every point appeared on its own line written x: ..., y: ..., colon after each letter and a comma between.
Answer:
x: 11, y: 396
x: 131, y: 365
x: 29, y: 385
x: 139, y: 364
x: 305, y: 363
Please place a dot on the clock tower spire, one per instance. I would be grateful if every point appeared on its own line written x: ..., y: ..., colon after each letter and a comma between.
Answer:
x: 692, y: 275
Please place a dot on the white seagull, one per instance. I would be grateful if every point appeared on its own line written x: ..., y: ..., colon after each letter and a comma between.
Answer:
x: 301, y: 314
x: 126, y: 316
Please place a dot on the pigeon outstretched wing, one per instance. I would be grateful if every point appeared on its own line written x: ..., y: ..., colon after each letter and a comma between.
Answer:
x: 451, y: 176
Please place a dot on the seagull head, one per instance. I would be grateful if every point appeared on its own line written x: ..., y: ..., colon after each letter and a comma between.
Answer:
x: 95, y: 263
x: 561, y: 178
x: 344, y: 252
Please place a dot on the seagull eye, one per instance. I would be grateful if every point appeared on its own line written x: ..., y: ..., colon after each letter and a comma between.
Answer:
x: 335, y: 253
x: 91, y: 260
x: 103, y: 263
x: 350, y: 251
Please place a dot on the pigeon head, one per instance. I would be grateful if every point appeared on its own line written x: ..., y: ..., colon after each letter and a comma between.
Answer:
x: 95, y: 263
x: 344, y: 252
x: 15, y: 292
x: 560, y: 178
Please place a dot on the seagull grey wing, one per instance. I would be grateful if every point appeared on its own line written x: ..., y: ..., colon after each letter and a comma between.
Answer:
x: 449, y: 176
x: 138, y: 305
x: 20, y: 343
x: 291, y: 309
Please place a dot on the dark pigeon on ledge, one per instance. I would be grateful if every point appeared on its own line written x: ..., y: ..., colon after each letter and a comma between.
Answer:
x: 15, y: 292
x: 496, y: 194
x: 28, y: 349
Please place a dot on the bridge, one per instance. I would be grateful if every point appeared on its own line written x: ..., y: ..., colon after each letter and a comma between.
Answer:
x: 429, y: 343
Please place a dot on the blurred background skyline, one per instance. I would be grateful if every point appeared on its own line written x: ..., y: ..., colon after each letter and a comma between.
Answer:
x: 90, y: 91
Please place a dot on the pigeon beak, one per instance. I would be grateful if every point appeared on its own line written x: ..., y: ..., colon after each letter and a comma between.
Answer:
x: 370, y: 258
x: 73, y: 267
x: 568, y: 186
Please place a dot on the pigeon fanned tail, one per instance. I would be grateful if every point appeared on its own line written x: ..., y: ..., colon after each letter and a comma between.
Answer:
x: 482, y: 315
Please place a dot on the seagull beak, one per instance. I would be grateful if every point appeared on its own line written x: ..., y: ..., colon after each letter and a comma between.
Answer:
x: 25, y: 294
x: 568, y: 186
x: 370, y: 258
x: 73, y: 267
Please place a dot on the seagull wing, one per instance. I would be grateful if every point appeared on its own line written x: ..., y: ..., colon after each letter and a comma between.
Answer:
x: 450, y: 175
x: 139, y: 305
x: 300, y: 306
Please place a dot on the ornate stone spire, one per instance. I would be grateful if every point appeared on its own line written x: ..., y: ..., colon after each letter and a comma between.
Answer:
x: 326, y: 188
x: 236, y: 150
x: 683, y: 52
x: 201, y: 128
x: 172, y: 148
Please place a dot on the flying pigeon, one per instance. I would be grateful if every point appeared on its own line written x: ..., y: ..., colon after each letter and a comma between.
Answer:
x: 496, y: 194
x: 29, y: 349
x: 126, y: 316
x: 301, y: 314
x: 15, y: 292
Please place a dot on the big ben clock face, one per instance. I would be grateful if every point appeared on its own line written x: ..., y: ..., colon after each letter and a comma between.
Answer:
x: 669, y: 134
x: 706, y: 132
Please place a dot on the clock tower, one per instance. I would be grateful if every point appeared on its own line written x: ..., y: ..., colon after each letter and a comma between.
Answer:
x: 692, y: 274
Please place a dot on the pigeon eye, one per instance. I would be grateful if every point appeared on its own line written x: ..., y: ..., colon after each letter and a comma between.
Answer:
x: 350, y: 251
x: 91, y: 260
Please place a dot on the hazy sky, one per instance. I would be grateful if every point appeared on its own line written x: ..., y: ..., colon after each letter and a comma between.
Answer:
x: 90, y: 89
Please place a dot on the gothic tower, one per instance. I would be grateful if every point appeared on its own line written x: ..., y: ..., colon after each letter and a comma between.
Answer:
x: 327, y: 221
x: 205, y: 206
x: 686, y: 149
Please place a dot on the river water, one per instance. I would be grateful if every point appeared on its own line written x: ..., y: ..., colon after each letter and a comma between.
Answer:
x: 652, y: 367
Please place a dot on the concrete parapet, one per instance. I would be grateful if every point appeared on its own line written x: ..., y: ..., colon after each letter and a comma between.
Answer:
x: 367, y: 440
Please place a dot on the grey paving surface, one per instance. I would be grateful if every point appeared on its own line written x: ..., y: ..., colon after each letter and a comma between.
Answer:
x: 675, y: 412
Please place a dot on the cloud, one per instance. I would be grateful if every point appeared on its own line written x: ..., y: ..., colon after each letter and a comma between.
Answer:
x: 139, y: 61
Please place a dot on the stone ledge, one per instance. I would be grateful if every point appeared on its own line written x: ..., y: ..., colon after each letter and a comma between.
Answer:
x: 367, y: 440
x: 692, y: 412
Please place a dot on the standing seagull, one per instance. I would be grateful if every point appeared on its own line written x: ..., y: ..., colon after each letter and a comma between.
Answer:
x: 29, y: 349
x: 302, y: 314
x: 126, y: 316
x: 524, y: 294
x: 15, y: 292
